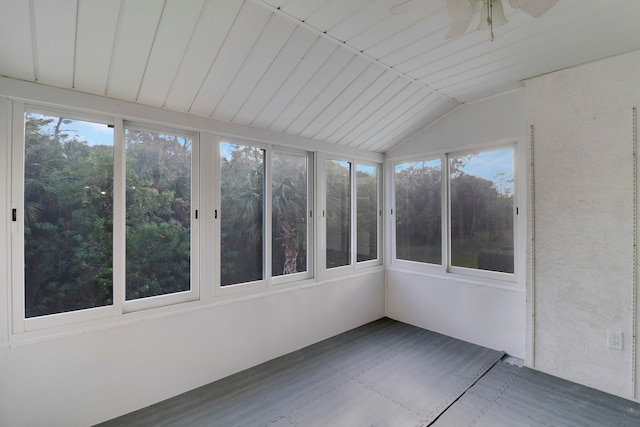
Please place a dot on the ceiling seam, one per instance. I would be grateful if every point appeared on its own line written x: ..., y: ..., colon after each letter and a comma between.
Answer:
x: 344, y: 44
x: 184, y: 54
x: 114, y: 48
x: 75, y: 46
x: 155, y: 38
x: 242, y: 65
x: 206, y: 77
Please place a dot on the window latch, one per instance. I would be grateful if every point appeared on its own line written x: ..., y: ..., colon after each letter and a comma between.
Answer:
x: 14, y: 215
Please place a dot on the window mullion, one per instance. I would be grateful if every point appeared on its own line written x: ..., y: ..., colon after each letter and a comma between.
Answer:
x: 446, y: 212
x: 119, y: 217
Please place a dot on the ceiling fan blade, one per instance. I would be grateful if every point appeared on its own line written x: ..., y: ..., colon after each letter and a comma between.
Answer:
x: 537, y: 8
x: 404, y: 7
x: 462, y: 9
x: 457, y: 28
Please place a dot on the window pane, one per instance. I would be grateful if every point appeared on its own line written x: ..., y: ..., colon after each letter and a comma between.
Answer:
x: 482, y: 211
x: 242, y: 213
x: 68, y: 215
x: 418, y: 189
x: 338, y: 213
x: 289, y: 214
x: 158, y: 214
x: 367, y: 212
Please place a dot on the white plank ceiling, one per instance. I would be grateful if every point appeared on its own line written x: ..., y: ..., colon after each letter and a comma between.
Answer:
x: 341, y: 71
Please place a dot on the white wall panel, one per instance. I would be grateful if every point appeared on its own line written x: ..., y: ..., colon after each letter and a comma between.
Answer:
x: 584, y: 264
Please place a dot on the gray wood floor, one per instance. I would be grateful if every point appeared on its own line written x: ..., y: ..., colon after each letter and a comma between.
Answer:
x: 387, y: 373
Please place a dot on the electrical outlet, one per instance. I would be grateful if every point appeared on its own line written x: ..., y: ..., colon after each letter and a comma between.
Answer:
x: 614, y: 340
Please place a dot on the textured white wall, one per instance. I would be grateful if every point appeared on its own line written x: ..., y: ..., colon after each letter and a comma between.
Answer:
x: 472, y: 309
x: 582, y: 119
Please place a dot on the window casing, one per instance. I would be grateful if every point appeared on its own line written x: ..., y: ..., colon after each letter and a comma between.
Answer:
x: 456, y: 213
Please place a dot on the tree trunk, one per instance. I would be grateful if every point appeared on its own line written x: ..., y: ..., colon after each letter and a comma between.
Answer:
x: 290, y: 249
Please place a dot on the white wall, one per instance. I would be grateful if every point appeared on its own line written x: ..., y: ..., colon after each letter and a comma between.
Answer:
x: 584, y: 266
x: 82, y: 375
x: 472, y: 309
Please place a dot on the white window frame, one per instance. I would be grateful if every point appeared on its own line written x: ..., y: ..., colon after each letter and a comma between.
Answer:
x: 445, y: 269
x: 334, y: 272
x: 20, y: 323
x: 310, y: 214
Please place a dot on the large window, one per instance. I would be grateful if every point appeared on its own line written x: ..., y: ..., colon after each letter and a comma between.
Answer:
x: 68, y: 215
x: 102, y: 229
x: 476, y: 191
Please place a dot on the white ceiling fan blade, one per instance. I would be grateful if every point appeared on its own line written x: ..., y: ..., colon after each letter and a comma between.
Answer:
x: 537, y: 8
x: 457, y: 28
x: 404, y: 7
x: 462, y: 9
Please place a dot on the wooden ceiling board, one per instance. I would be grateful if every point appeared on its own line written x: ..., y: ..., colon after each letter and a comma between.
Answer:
x: 394, y: 118
x: 300, y: 9
x: 333, y: 12
x: 96, y: 33
x: 18, y: 55
x: 337, y: 107
x: 297, y: 78
x: 208, y: 37
x: 56, y: 41
x: 318, y: 83
x: 382, y: 115
x: 397, y: 30
x: 360, y: 21
x: 274, y: 77
x: 136, y: 33
x: 378, y: 86
x: 330, y: 93
x: 242, y: 37
x: 176, y: 26
x: 271, y: 42
x: 355, y: 124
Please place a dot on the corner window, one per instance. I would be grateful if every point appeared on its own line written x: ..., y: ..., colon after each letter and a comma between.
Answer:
x: 476, y: 211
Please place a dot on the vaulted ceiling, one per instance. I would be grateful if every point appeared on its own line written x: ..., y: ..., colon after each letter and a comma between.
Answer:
x: 341, y: 71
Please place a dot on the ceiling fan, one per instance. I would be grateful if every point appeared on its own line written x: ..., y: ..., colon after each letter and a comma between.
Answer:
x: 491, y: 12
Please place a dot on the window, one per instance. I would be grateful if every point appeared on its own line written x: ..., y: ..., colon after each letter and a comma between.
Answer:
x: 479, y: 206
x: 81, y: 200
x: 290, y: 207
x: 352, y: 217
x: 242, y: 213
x: 368, y: 212
x: 481, y: 194
x: 68, y: 215
x: 338, y: 215
x: 418, y: 211
x: 158, y: 213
